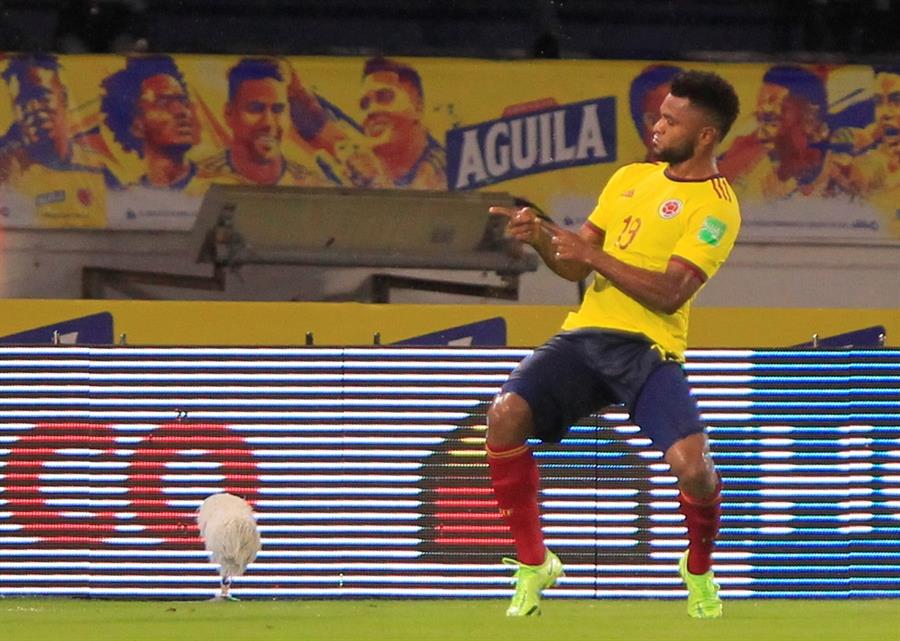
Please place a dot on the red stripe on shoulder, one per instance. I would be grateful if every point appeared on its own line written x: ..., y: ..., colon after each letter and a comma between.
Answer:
x: 699, y: 273
x: 717, y: 188
x: 726, y: 189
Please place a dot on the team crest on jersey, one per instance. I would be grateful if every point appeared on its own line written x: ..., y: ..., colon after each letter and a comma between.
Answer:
x: 670, y: 208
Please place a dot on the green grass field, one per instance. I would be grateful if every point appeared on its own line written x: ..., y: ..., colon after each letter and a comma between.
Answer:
x: 563, y: 620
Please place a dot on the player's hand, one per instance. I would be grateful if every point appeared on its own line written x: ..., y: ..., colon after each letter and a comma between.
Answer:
x: 524, y: 224
x: 361, y: 166
x: 570, y: 246
x: 297, y: 91
x: 295, y: 86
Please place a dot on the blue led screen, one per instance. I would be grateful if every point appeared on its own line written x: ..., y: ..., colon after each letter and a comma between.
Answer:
x: 366, y: 470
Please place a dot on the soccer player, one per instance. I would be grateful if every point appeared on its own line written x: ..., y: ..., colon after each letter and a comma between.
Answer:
x: 395, y: 149
x: 785, y: 154
x: 44, y: 158
x: 886, y: 153
x: 658, y: 233
x: 887, y: 113
x: 256, y: 112
x: 393, y: 106
x: 149, y: 110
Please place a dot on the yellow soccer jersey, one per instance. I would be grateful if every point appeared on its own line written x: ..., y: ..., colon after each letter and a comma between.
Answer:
x: 71, y: 194
x: 218, y: 169
x: 649, y: 218
x: 887, y: 202
x: 191, y: 184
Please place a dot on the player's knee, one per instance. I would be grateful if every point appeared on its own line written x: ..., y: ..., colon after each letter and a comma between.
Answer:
x: 696, y: 476
x: 693, y: 473
x: 508, y: 421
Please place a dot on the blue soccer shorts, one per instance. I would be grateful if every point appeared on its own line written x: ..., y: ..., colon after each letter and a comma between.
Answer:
x: 576, y: 373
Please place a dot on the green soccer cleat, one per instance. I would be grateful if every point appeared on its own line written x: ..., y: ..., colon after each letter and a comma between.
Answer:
x: 531, y: 580
x: 703, y: 592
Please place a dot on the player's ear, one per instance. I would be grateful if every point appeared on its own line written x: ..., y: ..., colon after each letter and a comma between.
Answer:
x: 709, y: 135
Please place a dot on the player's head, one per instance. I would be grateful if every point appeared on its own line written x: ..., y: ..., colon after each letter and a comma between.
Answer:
x: 887, y: 105
x: 648, y: 89
x: 147, y: 105
x: 257, y: 107
x: 791, y: 102
x: 392, y: 101
x: 695, y: 116
x: 40, y: 102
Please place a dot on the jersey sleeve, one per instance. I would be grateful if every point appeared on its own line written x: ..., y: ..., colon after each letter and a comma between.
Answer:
x: 709, y: 238
x: 600, y: 215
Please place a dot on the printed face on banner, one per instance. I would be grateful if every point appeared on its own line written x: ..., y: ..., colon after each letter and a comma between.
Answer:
x: 816, y: 151
x: 165, y: 116
x: 391, y: 108
x: 40, y: 102
x: 257, y: 118
x: 769, y: 105
x: 653, y: 99
x: 887, y: 108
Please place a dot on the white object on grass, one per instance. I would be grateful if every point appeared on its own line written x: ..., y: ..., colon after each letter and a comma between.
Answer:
x: 228, y: 528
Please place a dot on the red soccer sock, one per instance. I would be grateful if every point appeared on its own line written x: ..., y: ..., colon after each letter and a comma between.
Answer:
x: 702, y: 517
x: 514, y: 476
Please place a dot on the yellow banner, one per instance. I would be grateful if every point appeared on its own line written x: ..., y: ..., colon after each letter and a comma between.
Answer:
x: 133, y: 143
x: 333, y: 324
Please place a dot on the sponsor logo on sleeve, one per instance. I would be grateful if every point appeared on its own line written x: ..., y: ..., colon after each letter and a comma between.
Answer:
x: 712, y: 231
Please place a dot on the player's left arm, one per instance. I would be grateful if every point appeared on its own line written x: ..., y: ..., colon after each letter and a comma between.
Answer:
x: 662, y: 292
x: 699, y: 253
x: 310, y: 118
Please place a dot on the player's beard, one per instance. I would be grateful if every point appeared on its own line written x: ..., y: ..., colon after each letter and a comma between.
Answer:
x: 677, y: 154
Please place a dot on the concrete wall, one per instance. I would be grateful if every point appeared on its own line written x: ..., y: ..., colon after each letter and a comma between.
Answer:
x: 48, y: 264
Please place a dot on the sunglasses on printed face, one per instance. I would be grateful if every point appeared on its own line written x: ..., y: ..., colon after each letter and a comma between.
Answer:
x: 382, y: 97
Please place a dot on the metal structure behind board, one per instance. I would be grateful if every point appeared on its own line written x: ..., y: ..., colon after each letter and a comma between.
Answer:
x: 241, y: 225
x: 377, y: 228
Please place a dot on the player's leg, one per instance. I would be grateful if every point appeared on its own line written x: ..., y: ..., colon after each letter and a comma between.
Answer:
x: 699, y: 497
x: 666, y: 411
x: 514, y: 474
x: 543, y: 396
x: 516, y: 483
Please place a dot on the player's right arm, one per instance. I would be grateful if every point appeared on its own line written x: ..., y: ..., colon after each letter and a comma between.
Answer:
x: 310, y: 119
x: 526, y: 226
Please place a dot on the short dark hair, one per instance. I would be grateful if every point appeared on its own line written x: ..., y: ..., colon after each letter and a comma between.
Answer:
x: 18, y: 68
x: 802, y: 83
x: 252, y: 69
x: 712, y: 93
x: 891, y: 69
x: 20, y: 64
x: 122, y: 90
x: 407, y: 74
